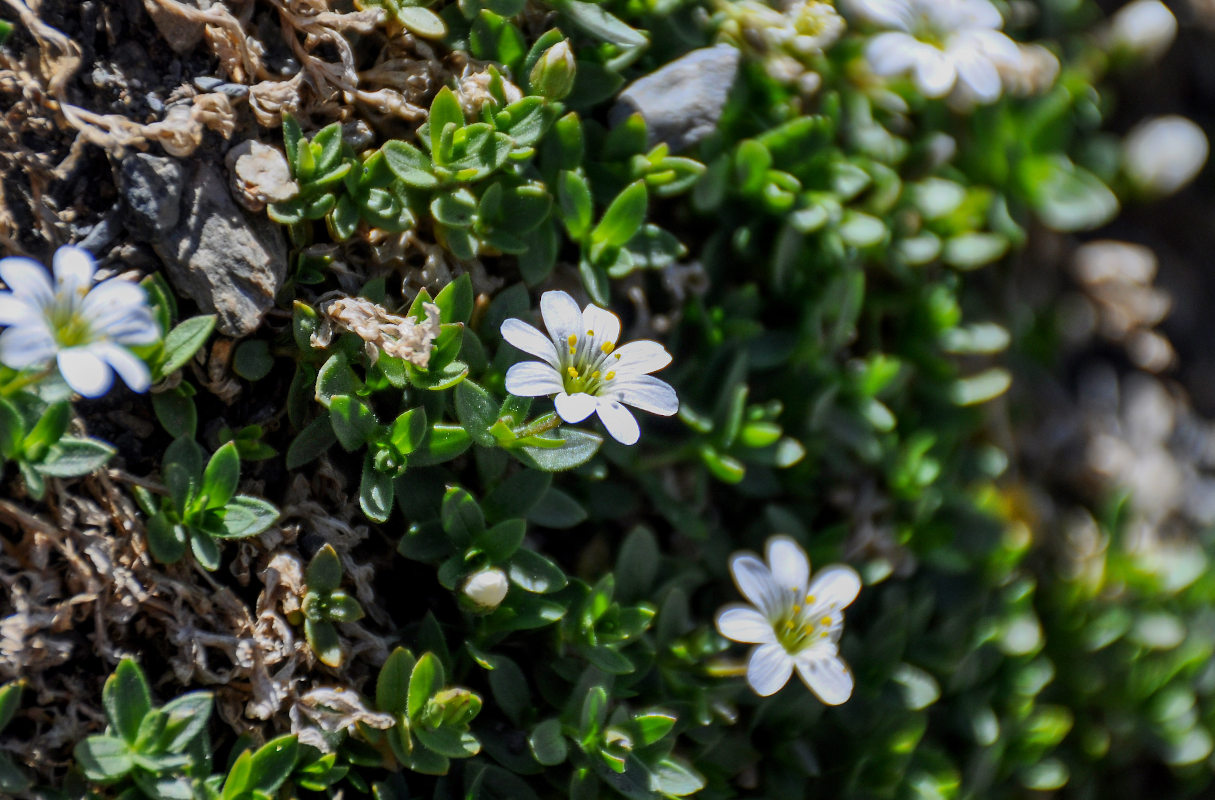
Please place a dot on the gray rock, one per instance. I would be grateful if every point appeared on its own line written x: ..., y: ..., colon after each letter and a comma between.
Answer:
x: 151, y: 193
x: 682, y: 101
x: 229, y: 262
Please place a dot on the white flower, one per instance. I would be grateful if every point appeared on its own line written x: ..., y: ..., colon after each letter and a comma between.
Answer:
x: 942, y: 44
x: 795, y: 622
x: 84, y: 328
x: 1163, y: 154
x: 584, y: 368
x: 1144, y: 28
x: 486, y: 588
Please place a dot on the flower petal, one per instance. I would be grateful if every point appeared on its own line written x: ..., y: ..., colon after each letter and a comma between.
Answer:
x: 15, y: 311
x: 603, y: 324
x: 27, y: 279
x: 562, y: 317
x: 531, y: 341
x: 575, y: 407
x: 639, y: 357
x: 755, y: 581
x: 73, y: 268
x: 130, y: 367
x: 620, y: 423
x: 836, y: 585
x: 892, y: 53
x: 885, y: 13
x: 769, y: 669
x: 118, y: 308
x: 745, y: 624
x: 647, y: 393
x: 788, y: 562
x: 85, y: 372
x: 26, y: 345
x: 935, y: 73
x: 827, y: 676
x: 532, y: 379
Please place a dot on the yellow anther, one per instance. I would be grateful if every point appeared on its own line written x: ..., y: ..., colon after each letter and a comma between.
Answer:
x: 616, y: 356
x: 573, y: 373
x: 825, y: 621
x: 809, y: 599
x: 609, y: 376
x: 572, y: 340
x: 590, y: 333
x: 796, y: 608
x: 595, y: 374
x: 607, y: 347
x: 789, y: 624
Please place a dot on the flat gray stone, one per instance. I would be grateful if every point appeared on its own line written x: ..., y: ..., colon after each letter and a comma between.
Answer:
x: 151, y: 194
x: 682, y: 101
x: 229, y: 262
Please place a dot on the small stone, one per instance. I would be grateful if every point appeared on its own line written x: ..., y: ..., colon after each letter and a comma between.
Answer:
x: 151, y: 194
x: 229, y: 262
x: 682, y: 101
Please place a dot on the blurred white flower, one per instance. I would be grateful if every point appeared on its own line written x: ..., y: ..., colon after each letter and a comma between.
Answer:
x: 944, y: 45
x: 1144, y: 28
x: 794, y: 622
x: 585, y: 370
x: 486, y: 588
x: 809, y: 28
x: 1163, y: 154
x: 86, y: 329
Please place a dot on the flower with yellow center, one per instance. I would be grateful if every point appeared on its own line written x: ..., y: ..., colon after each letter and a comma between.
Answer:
x: 585, y: 371
x: 794, y: 622
x: 86, y: 329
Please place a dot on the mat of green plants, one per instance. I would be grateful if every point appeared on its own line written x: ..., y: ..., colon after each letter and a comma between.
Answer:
x: 641, y: 398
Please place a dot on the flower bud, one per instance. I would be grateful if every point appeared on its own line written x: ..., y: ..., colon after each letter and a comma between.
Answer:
x: 486, y: 589
x: 1144, y: 29
x: 1163, y: 154
x: 553, y: 74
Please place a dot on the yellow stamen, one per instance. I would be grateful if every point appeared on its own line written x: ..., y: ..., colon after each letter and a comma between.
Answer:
x: 825, y: 621
x: 590, y: 333
x: 595, y: 374
x: 616, y: 356
x: 809, y: 599
x: 796, y: 608
x: 789, y: 624
x: 609, y: 376
x: 573, y: 373
x: 607, y: 347
x: 573, y: 340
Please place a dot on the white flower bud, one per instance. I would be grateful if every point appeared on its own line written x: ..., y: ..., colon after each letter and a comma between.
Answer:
x: 1144, y: 28
x: 553, y: 75
x: 487, y: 588
x: 1163, y: 154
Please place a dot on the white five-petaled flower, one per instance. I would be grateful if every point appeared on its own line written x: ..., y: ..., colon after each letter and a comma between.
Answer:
x: 86, y: 329
x: 944, y: 45
x: 585, y: 370
x: 794, y: 622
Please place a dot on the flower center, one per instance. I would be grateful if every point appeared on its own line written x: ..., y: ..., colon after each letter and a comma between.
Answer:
x: 587, y: 366
x: 805, y: 622
x: 69, y: 327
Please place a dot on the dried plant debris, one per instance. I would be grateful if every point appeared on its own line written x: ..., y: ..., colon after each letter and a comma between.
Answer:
x: 383, y: 332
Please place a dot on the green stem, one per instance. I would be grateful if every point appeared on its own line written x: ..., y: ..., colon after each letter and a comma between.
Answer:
x: 22, y: 381
x: 542, y: 425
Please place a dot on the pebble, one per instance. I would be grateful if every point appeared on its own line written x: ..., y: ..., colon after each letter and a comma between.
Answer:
x: 151, y: 194
x: 682, y: 101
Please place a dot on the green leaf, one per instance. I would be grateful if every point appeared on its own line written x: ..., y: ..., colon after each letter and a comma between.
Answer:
x: 205, y: 549
x: 438, y: 380
x: 353, y: 422
x: 188, y: 716
x: 10, y: 701
x: 444, y: 110
x: 556, y: 509
x: 422, y: 22
x: 1067, y: 197
x: 273, y: 762
x: 252, y: 360
x: 533, y: 572
x: 375, y: 492
x: 311, y: 442
x: 221, y: 476
x: 547, y: 743
x: 12, y: 430
x: 72, y: 457
x: 456, y: 209
x: 502, y: 540
x: 49, y: 428
x: 408, y: 430
x: 675, y: 779
x: 126, y: 699
x: 166, y: 540
x: 393, y: 681
x: 426, y: 678
x: 182, y: 343
x: 653, y: 726
x: 455, y: 301
x: 175, y: 411
x: 450, y: 742
x: 104, y: 759
x: 324, y: 573
x: 292, y: 136
x: 577, y: 207
x: 623, y: 217
x: 593, y: 714
x: 444, y: 443
x: 577, y: 448
x: 477, y: 411
x: 335, y: 378
x: 461, y: 517
x: 593, y: 19
x: 409, y: 164
x: 329, y: 139
x: 516, y: 496
x: 239, y: 780
x: 246, y: 516
x: 12, y: 779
